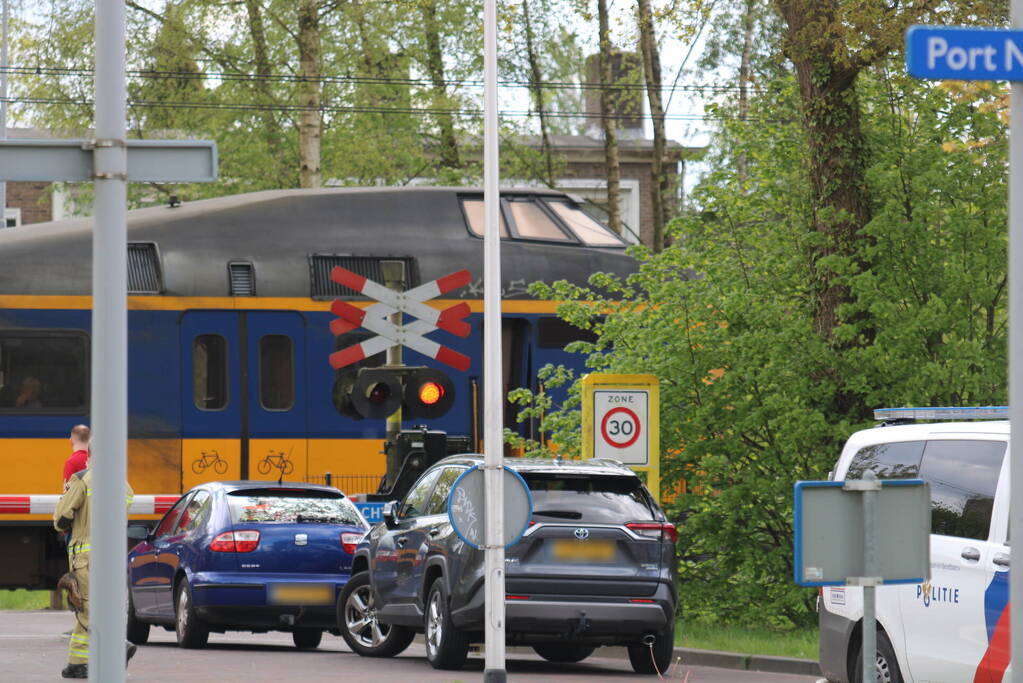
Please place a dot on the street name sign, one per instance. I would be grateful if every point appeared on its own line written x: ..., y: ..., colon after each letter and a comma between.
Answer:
x: 829, y: 533
x: 964, y: 54
x: 157, y: 161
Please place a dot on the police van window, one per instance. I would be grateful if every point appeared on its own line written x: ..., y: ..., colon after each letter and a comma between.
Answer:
x: 899, y: 460
x: 533, y: 223
x: 276, y: 372
x: 43, y: 373
x: 963, y: 476
x: 475, y: 217
x: 585, y: 228
x: 209, y: 372
x: 415, y: 501
x: 439, y: 500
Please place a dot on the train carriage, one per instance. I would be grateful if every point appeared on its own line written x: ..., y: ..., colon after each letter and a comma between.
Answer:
x: 229, y: 333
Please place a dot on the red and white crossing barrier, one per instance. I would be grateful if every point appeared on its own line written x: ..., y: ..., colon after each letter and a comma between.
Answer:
x: 141, y: 504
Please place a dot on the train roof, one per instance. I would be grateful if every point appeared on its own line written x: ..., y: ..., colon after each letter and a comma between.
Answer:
x: 290, y: 238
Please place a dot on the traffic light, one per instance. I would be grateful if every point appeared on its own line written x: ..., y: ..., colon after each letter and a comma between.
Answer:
x: 429, y: 393
x: 377, y: 393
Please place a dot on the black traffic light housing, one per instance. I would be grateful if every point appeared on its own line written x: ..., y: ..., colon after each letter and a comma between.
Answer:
x: 376, y: 393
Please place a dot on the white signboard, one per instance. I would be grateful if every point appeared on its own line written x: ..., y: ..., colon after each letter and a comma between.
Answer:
x: 621, y: 425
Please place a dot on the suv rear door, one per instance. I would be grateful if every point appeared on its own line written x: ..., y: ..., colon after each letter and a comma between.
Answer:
x: 580, y: 532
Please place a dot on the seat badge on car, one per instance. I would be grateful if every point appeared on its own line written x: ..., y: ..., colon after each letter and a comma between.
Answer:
x: 582, y: 534
x: 301, y: 539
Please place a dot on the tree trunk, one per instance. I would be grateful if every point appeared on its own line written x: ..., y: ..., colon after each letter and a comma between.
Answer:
x: 652, y: 72
x: 608, y: 124
x: 271, y: 129
x: 827, y: 89
x: 535, y: 86
x: 449, y: 156
x: 310, y: 123
x: 741, y: 165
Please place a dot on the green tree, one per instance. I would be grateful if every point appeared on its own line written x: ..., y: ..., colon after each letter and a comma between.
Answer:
x: 726, y: 317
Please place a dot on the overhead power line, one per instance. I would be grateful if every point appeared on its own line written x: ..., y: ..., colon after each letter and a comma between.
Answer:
x: 325, y: 108
x: 363, y: 80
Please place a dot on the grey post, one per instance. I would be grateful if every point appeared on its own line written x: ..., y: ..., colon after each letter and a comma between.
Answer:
x: 109, y: 401
x: 1016, y: 340
x: 394, y: 278
x: 870, y: 569
x: 493, y: 402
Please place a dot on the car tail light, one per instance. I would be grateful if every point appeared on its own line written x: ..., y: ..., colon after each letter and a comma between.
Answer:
x: 655, y: 529
x: 235, y: 542
x: 349, y: 540
x: 516, y: 597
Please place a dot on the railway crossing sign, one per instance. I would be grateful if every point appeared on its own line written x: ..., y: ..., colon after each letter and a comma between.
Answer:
x: 412, y: 335
x: 621, y: 421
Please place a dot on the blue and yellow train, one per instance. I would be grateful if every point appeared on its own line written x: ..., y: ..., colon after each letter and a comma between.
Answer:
x: 229, y: 333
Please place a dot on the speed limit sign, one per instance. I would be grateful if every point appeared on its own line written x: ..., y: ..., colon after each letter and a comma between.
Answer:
x: 621, y: 422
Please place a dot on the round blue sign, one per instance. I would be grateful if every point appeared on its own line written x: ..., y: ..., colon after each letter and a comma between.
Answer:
x: 467, y: 508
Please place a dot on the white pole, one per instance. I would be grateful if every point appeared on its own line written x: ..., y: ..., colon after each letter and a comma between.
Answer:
x: 3, y: 104
x: 109, y: 372
x: 493, y: 446
x: 1016, y: 347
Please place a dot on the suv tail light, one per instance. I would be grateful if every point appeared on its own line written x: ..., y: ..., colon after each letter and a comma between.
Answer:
x: 655, y: 530
x: 349, y: 540
x: 235, y: 542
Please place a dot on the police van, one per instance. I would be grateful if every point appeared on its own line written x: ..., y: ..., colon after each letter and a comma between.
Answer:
x: 955, y: 627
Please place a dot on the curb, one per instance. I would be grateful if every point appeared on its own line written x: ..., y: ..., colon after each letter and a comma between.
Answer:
x: 735, y: 660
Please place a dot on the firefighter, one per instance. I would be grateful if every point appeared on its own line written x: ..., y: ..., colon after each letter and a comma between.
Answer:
x: 72, y: 515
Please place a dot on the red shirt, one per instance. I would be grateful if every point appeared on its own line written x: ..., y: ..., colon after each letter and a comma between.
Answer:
x: 76, y: 463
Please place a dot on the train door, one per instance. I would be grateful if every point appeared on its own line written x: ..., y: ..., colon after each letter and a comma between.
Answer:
x: 517, y: 370
x: 244, y: 409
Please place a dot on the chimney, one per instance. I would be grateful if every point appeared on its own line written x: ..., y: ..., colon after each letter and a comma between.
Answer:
x: 626, y: 102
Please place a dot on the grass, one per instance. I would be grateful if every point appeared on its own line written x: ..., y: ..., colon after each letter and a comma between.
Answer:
x: 800, y: 643
x: 24, y: 599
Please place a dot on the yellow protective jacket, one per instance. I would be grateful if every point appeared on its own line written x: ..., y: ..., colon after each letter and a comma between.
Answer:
x: 75, y: 508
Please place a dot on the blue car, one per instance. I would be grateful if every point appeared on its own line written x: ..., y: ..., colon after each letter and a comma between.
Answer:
x: 244, y: 556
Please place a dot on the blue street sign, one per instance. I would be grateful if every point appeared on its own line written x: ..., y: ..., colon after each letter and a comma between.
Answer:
x: 964, y: 54
x: 373, y: 512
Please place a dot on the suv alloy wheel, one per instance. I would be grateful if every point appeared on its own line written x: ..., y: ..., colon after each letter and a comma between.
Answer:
x: 357, y: 621
x: 446, y: 646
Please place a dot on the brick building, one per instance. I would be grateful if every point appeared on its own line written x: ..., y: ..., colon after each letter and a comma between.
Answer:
x: 28, y: 202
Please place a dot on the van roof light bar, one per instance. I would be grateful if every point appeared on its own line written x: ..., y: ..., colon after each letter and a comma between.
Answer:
x: 943, y: 413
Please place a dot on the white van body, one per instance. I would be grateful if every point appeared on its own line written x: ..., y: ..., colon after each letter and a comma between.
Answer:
x: 954, y: 628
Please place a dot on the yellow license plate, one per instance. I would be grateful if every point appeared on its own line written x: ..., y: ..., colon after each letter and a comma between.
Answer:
x: 584, y: 551
x: 301, y: 594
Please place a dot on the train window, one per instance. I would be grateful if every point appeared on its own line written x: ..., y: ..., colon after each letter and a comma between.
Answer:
x: 209, y: 372
x: 585, y: 228
x: 474, y: 215
x: 533, y: 223
x: 276, y: 372
x: 555, y: 333
x: 43, y: 373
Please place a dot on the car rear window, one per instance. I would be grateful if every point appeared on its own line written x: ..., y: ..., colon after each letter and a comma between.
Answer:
x: 291, y: 507
x: 592, y: 499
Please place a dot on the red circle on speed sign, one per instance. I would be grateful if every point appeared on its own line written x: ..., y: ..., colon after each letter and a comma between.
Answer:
x: 627, y: 429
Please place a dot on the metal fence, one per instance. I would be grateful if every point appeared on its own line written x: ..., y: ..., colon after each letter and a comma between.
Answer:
x: 349, y: 483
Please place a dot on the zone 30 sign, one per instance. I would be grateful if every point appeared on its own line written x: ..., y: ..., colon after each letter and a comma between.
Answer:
x: 620, y: 421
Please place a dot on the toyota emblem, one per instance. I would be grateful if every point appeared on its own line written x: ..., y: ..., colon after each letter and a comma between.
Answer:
x: 582, y: 534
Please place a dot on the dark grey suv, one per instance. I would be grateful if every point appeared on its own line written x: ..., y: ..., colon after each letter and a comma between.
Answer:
x: 595, y: 567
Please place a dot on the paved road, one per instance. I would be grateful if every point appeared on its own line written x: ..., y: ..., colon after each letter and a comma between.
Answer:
x: 32, y: 649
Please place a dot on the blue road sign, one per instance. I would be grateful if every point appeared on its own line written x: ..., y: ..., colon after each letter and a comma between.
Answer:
x: 964, y: 54
x: 373, y: 512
